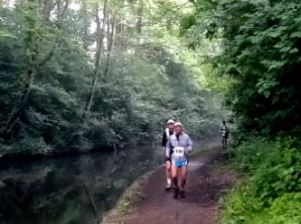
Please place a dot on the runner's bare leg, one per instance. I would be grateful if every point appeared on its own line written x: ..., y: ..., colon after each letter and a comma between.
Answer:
x: 168, y: 172
x: 174, y: 174
x: 183, y: 178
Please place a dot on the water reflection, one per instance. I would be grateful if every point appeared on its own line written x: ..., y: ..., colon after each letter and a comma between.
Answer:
x: 68, y: 190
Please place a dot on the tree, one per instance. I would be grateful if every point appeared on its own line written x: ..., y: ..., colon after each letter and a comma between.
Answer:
x: 261, y: 52
x: 94, y: 75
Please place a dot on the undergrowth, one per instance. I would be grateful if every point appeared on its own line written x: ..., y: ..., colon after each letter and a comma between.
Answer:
x: 272, y: 193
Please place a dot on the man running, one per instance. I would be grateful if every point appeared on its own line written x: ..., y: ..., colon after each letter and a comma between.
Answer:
x: 179, y: 145
x: 225, y: 134
x: 167, y: 133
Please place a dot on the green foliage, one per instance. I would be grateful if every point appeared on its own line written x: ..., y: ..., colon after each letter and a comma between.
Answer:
x: 261, y: 51
x: 243, y: 208
x: 258, y: 47
x: 47, y: 67
x: 272, y: 193
x: 186, y: 23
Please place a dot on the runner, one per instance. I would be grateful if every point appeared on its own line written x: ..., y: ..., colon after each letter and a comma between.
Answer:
x: 225, y: 134
x: 179, y: 145
x: 167, y: 133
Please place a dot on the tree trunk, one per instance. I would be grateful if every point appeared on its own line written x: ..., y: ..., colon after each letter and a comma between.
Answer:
x: 111, y: 41
x: 62, y: 7
x: 31, y: 50
x: 58, y: 39
x: 32, y: 60
x: 140, y: 16
x: 100, y: 37
x: 15, y: 114
x: 86, y: 25
x: 119, y: 31
x: 139, y: 22
x: 47, y: 7
x: 93, y: 204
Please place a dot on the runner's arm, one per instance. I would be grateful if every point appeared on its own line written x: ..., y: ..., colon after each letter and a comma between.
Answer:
x: 189, y: 145
x: 164, y: 139
x: 167, y: 149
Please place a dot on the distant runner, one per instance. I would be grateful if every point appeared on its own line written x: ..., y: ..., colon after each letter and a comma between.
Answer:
x: 167, y: 133
x: 225, y: 134
x: 179, y: 145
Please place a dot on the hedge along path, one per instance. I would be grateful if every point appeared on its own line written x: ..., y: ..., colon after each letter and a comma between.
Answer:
x: 151, y: 204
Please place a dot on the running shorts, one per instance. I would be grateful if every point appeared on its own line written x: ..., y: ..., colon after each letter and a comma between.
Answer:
x: 180, y: 163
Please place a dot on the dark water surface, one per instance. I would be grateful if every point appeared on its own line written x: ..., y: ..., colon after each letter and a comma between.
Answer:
x: 68, y: 190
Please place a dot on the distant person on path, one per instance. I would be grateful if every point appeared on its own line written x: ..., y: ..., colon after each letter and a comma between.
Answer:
x: 166, y: 134
x: 225, y: 134
x: 178, y: 147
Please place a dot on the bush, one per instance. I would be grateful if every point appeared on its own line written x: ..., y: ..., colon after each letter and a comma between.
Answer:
x: 272, y: 193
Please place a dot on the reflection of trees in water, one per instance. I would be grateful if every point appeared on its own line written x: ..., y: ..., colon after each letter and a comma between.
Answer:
x: 68, y: 190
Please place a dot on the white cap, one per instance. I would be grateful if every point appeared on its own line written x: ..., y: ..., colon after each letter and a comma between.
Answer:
x: 178, y: 124
x: 170, y: 121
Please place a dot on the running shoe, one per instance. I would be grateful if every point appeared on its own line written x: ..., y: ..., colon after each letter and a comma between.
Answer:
x: 176, y: 193
x: 182, y: 194
x: 168, y: 187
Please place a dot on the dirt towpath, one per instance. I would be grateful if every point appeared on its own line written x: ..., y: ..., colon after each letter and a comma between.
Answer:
x: 207, y: 182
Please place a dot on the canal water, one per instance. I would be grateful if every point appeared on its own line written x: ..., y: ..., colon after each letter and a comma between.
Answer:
x: 68, y: 190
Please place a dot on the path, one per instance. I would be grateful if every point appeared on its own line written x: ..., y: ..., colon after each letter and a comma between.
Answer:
x: 206, y: 183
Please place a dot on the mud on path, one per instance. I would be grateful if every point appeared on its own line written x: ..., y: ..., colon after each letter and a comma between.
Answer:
x: 206, y: 183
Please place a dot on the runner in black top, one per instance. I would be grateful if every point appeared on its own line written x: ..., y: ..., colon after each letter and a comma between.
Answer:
x: 225, y: 134
x: 167, y: 133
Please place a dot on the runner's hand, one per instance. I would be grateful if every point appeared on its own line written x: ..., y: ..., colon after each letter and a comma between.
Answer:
x: 187, y: 151
x: 167, y: 154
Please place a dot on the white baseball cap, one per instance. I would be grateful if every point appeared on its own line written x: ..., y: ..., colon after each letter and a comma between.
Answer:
x: 178, y: 123
x: 170, y: 121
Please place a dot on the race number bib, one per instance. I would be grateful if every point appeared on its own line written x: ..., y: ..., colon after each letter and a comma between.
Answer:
x: 179, y: 151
